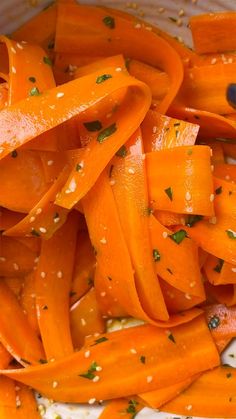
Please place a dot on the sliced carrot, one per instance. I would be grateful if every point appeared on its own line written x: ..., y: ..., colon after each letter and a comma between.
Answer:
x: 15, y: 258
x: 188, y: 346
x: 217, y: 153
x: 219, y: 272
x: 223, y: 294
x: 8, y: 407
x: 121, y: 408
x: 124, y: 38
x: 159, y: 131
x: 213, y: 32
x: 180, y: 180
x: 53, y: 284
x: 168, y: 218
x: 212, y: 394
x: 229, y: 149
x: 9, y: 218
x: 15, y: 283
x: 225, y: 171
x: 5, y: 356
x: 85, y: 318
x: 15, y: 330
x: 26, y: 403
x: 28, y: 300
x: 179, y: 302
x: 84, y: 267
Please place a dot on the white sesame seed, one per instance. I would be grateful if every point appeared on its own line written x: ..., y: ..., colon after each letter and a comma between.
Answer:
x: 181, y: 13
x: 38, y: 211
x: 83, y: 322
x: 16, y: 267
x: 2, y: 259
x: 103, y: 294
x: 188, y: 297
x: 149, y: 379
x: 137, y: 26
x: 52, y: 106
x: 189, y: 209
x: 212, y: 197
x: 41, y: 409
x: 133, y: 351
x: 96, y: 378
x: 213, y: 60
x: 211, y: 152
x: 118, y: 69
x: 60, y: 94
x: 98, y: 368
x: 164, y: 234
x: 42, y: 229
x: 148, y: 28
x: 13, y: 70
x: 233, y: 270
x: 43, y: 274
x: 103, y: 240
x: 19, y: 45
x: 56, y: 220
x: 32, y: 219
x: 91, y: 401
x: 188, y: 196
x: 50, y: 162
x: 227, y: 177
x: 59, y: 274
x: 189, y: 407
x: 72, y: 185
x: 13, y: 50
x: 213, y: 220
x: 87, y: 354
x: 131, y: 171
x: 54, y: 384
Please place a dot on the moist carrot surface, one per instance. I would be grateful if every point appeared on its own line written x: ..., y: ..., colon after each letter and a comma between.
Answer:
x: 117, y: 206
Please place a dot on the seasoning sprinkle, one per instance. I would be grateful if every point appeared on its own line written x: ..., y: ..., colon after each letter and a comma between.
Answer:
x: 169, y: 193
x: 109, y: 21
x: 107, y: 132
x: 93, y: 126
x: 156, y: 255
x: 103, y: 77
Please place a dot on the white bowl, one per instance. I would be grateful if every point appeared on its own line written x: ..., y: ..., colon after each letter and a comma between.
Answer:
x: 158, y: 12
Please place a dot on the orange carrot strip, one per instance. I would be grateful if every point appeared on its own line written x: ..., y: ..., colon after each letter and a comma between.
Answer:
x: 85, y: 318
x: 44, y: 214
x: 53, y: 283
x: 223, y: 294
x: 9, y: 218
x: 130, y: 192
x: 18, y: 173
x: 53, y: 163
x: 159, y: 131
x: 213, y: 32
x: 15, y: 330
x: 178, y: 301
x: 84, y: 267
x: 15, y: 283
x: 193, y: 351
x: 28, y: 300
x: 168, y: 218
x: 176, y: 177
x: 221, y: 321
x: 25, y: 403
x: 8, y: 407
x: 15, y: 258
x: 123, y: 38
x: 219, y: 272
x: 40, y: 29
x: 212, y: 395
x: 229, y: 149
x: 118, y: 408
x: 225, y: 171
x: 217, y: 153
x: 5, y: 357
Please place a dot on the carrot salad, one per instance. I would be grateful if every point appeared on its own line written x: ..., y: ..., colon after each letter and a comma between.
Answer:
x: 118, y: 200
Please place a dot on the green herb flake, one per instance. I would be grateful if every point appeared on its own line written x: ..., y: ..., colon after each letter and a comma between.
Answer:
x: 93, y: 126
x: 196, y: 117
x: 35, y: 233
x: 99, y: 340
x: 109, y: 21
x: 148, y: 211
x: 45, y: 307
x: 156, y: 255
x: 34, y: 92
x: 179, y: 236
x: 169, y: 193
x: 219, y: 266
x: 14, y: 154
x: 176, y: 124
x: 43, y: 361
x: 231, y: 355
x: 32, y: 79
x: 189, y: 152
x: 122, y: 152
x: 90, y: 282
x: 214, y: 322
x: 103, y: 77
x: 218, y: 191
x: 90, y: 373
x: 51, y: 44
x: 231, y: 234
x: 169, y: 270
x: 172, y: 19
x: 132, y: 408
x: 142, y: 359
x: 72, y: 293
x: 193, y: 219
x: 47, y: 61
x: 78, y: 167
x: 25, y: 361
x: 171, y: 337
x: 107, y: 132
x: 229, y: 375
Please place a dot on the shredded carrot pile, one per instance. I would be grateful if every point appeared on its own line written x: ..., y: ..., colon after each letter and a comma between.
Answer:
x: 118, y: 199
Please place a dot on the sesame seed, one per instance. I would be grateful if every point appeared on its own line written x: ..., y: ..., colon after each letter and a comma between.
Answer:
x: 50, y: 162
x: 96, y: 378
x: 213, y: 60
x: 16, y: 267
x: 59, y: 274
x: 164, y: 235
x: 13, y: 50
x: 19, y: 45
x: 148, y: 28
x: 212, y: 197
x: 212, y: 220
x: 189, y: 407
x: 72, y: 185
x: 2, y: 259
x: 103, y: 293
x: 13, y: 70
x: 43, y: 274
x: 137, y: 26
x: 42, y: 229
x: 189, y: 209
x: 91, y: 401
x: 32, y: 219
x: 56, y: 220
x: 188, y: 196
x: 149, y: 379
x: 41, y: 409
x: 98, y: 368
x: 87, y: 354
x: 52, y: 106
x: 233, y: 270
x: 188, y: 297
x: 54, y: 384
x: 192, y: 284
x: 103, y: 240
x: 118, y: 69
x: 112, y: 182
x: 211, y: 152
x: 83, y: 322
x: 181, y: 12
x: 60, y: 94
x: 227, y: 177
x: 131, y: 171
x: 179, y: 22
x: 38, y: 211
x: 133, y: 351
x: 18, y: 402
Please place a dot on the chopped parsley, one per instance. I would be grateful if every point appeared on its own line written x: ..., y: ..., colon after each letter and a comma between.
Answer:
x: 156, y: 255
x: 32, y: 79
x: 169, y: 270
x: 47, y: 61
x: 78, y: 167
x: 34, y: 92
x: 219, y: 266
x: 43, y: 361
x: 214, y: 322
x: 179, y: 236
x: 122, y: 152
x: 93, y: 126
x: 169, y: 193
x: 142, y: 359
x: 103, y: 77
x: 90, y: 373
x: 14, y: 154
x: 35, y: 233
x: 99, y: 340
x: 45, y: 308
x: 106, y: 133
x: 218, y: 191
x: 172, y: 19
x: 229, y: 375
x: 132, y: 408
x: 171, y: 337
x: 109, y: 21
x: 231, y: 234
x: 25, y: 361
x: 193, y: 219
